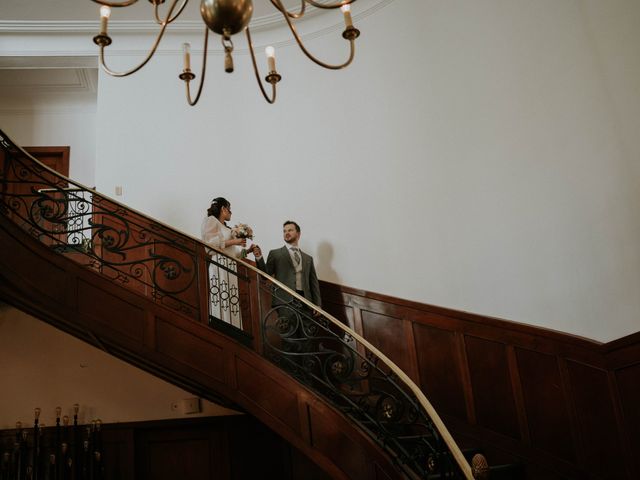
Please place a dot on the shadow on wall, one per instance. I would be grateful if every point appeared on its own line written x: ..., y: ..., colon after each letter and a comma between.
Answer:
x: 328, y: 274
x: 323, y: 263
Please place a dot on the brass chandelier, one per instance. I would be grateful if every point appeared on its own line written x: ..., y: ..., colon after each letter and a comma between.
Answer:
x: 226, y: 18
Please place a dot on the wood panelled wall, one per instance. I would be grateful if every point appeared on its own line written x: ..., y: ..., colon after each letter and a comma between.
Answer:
x: 211, y: 448
x: 566, y: 406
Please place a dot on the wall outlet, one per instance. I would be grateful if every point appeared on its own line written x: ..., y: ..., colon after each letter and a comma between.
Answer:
x: 187, y: 406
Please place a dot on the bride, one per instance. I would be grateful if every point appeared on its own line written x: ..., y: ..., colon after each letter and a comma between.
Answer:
x: 223, y: 282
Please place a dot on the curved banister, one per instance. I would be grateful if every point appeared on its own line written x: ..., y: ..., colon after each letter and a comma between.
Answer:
x: 48, y: 218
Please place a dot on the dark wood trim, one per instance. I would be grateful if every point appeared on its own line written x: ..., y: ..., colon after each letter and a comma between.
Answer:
x: 466, y: 378
x: 556, y: 387
x: 46, y: 154
x: 355, y: 294
x: 623, y: 434
x: 518, y: 395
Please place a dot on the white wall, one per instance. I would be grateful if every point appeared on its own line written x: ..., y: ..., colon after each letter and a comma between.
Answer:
x: 46, y: 368
x: 477, y: 155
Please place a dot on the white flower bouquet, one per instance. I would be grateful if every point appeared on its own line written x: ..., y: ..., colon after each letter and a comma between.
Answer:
x: 242, y: 230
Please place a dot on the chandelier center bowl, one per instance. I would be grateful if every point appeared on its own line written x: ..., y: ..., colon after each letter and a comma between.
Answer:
x: 226, y: 16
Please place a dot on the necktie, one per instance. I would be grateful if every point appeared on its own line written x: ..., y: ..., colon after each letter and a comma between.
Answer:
x: 296, y: 255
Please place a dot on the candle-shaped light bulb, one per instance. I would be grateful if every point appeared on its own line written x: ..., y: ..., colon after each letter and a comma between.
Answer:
x: 76, y: 408
x: 270, y: 52
x: 65, y: 420
x: 346, y: 10
x: 18, y: 425
x: 186, y: 48
x: 58, y: 412
x: 36, y: 412
x: 105, y: 13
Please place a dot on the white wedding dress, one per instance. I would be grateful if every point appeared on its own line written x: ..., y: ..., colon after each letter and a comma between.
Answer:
x: 224, y: 296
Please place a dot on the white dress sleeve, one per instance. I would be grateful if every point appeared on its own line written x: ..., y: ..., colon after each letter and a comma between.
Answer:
x: 212, y: 233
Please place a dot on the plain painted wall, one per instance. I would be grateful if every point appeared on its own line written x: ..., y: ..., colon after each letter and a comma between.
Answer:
x: 46, y: 368
x: 477, y: 155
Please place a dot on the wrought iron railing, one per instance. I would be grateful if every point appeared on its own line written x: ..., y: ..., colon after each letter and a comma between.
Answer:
x: 206, y: 285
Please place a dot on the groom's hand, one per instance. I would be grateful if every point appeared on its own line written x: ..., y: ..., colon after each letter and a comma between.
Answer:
x: 257, y: 252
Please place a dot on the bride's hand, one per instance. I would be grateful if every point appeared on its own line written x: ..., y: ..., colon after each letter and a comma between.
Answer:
x: 236, y: 241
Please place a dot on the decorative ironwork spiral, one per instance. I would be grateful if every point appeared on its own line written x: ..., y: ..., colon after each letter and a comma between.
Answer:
x: 127, y: 247
x: 354, y: 380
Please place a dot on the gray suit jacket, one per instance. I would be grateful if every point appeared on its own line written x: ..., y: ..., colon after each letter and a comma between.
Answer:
x: 280, y: 266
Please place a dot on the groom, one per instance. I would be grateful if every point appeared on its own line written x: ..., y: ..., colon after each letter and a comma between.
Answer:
x: 291, y: 266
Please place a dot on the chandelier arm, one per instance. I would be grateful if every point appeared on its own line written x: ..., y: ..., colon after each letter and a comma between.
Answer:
x: 284, y: 11
x: 204, y: 70
x: 330, y: 6
x: 149, y: 55
x: 307, y: 53
x: 255, y: 69
x: 168, y: 20
x: 115, y: 4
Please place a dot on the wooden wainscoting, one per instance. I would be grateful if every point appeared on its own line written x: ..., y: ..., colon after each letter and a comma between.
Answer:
x: 567, y: 407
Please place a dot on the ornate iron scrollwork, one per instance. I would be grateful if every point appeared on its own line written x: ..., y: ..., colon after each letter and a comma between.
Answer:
x: 355, y: 380
x: 127, y: 247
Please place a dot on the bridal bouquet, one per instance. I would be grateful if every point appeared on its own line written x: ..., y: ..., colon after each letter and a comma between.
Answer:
x: 242, y: 230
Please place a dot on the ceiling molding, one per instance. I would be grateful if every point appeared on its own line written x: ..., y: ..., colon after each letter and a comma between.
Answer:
x: 78, y: 80
x: 131, y: 26
x: 264, y: 22
x: 90, y: 79
x: 122, y: 26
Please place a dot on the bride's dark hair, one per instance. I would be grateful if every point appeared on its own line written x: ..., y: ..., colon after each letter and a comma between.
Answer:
x: 216, y: 206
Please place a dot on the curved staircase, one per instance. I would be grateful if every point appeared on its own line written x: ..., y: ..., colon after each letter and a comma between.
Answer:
x: 152, y: 296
